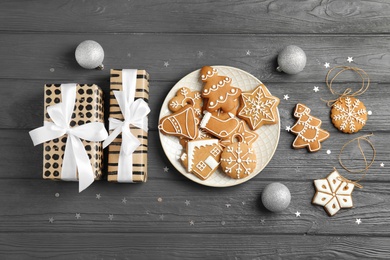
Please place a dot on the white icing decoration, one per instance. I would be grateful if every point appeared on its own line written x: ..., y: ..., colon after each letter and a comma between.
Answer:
x: 239, y: 160
x: 333, y: 193
x: 349, y: 115
x: 211, y: 162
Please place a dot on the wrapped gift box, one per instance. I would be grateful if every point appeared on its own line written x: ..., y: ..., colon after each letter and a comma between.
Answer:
x: 140, y: 163
x: 88, y: 108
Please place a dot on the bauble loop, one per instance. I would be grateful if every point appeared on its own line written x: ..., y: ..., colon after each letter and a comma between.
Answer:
x: 90, y: 55
x: 276, y: 197
x: 291, y: 60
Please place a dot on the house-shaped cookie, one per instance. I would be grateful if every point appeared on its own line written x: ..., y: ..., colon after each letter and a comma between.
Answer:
x: 202, y: 157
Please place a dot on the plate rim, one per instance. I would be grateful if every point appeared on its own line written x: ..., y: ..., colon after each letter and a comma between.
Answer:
x: 199, y: 181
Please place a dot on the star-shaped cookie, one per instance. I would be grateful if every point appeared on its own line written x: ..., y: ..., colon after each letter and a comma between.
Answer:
x: 242, y: 134
x: 258, y: 107
x: 333, y: 193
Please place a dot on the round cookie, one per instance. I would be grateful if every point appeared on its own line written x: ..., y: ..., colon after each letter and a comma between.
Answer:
x: 348, y: 114
x: 184, y: 96
x: 238, y: 160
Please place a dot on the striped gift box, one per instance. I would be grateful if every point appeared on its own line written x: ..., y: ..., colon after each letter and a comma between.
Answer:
x: 140, y: 161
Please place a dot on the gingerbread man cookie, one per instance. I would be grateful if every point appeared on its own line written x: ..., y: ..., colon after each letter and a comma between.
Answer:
x: 219, y: 127
x: 184, y: 97
x: 182, y: 123
x: 238, y: 160
x: 242, y: 134
x: 348, y: 114
x: 218, y: 91
x: 308, y: 131
x: 258, y: 107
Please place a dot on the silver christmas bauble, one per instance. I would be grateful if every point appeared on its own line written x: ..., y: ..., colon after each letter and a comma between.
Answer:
x: 90, y: 55
x: 276, y: 197
x: 291, y: 60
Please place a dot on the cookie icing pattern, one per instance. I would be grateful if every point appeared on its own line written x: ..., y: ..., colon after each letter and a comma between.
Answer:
x: 308, y: 131
x: 238, y: 160
x: 349, y: 114
x: 184, y: 97
x: 258, y: 107
x: 181, y: 123
x: 242, y: 134
x: 333, y: 193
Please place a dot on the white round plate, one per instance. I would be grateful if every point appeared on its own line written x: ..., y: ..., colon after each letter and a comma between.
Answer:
x: 264, y: 146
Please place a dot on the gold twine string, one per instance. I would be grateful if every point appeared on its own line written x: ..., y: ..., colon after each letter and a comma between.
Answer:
x: 367, y: 165
x: 348, y: 91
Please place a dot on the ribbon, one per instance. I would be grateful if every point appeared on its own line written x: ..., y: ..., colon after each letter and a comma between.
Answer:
x: 134, y: 113
x: 75, y: 156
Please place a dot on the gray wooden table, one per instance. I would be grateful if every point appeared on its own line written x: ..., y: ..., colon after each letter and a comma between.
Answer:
x: 170, y: 217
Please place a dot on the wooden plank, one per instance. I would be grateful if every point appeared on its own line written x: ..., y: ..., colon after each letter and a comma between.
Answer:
x: 22, y: 102
x: 51, y: 56
x: 22, y: 160
x: 189, y: 246
x: 159, y: 206
x: 309, y: 16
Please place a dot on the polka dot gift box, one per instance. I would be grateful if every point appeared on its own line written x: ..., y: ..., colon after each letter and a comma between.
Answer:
x: 72, y: 133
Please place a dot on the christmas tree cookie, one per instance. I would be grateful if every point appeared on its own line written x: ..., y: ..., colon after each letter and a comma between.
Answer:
x: 218, y: 91
x: 258, y: 107
x: 308, y: 131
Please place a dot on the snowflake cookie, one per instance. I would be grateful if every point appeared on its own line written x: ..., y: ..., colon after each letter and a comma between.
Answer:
x: 349, y: 114
x: 238, y: 160
x: 333, y: 193
x: 185, y: 97
x: 258, y: 107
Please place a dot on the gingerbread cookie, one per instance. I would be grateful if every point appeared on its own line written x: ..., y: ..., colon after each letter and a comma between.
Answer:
x: 218, y: 91
x: 184, y: 96
x: 258, y: 107
x: 202, y: 157
x: 242, y: 134
x: 348, y: 114
x: 238, y: 160
x: 182, y: 123
x: 218, y: 127
x: 333, y: 193
x: 308, y: 131
x: 201, y: 135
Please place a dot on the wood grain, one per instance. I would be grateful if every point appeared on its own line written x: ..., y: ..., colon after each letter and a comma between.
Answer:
x: 51, y: 56
x: 181, y: 246
x: 239, y: 17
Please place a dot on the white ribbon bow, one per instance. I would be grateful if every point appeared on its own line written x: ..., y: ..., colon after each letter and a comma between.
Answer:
x: 135, y: 113
x: 75, y: 155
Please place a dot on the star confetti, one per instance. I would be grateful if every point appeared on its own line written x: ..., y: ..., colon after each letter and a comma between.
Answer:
x: 161, y: 217
x: 288, y: 128
x: 187, y: 202
x: 98, y: 196
x: 124, y: 200
x: 243, y: 203
x: 333, y: 193
x: 51, y: 220
x: 166, y: 64
x: 166, y: 169
x: 297, y: 214
x: 228, y: 205
x: 382, y: 165
x: 223, y: 223
x: 358, y: 221
x: 248, y: 52
x: 111, y: 217
x: 316, y: 89
x: 350, y: 59
x: 78, y: 215
x: 262, y: 221
x: 192, y: 223
x: 200, y: 54
x: 327, y: 65
x: 286, y: 97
